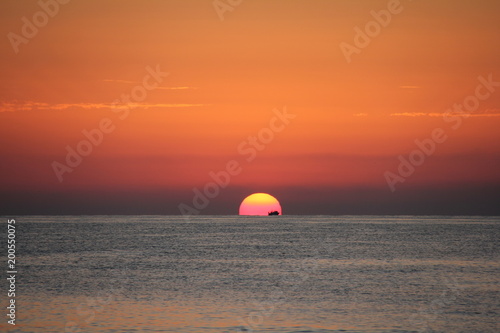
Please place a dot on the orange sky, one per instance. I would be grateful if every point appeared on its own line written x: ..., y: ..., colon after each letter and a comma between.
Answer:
x: 225, y: 79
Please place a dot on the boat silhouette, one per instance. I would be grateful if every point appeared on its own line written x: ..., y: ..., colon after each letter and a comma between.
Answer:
x: 273, y: 213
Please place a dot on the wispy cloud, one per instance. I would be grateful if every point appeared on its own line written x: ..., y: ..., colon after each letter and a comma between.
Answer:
x: 490, y: 111
x: 485, y: 113
x: 157, y: 88
x: 119, y: 81
x: 29, y: 106
x: 416, y: 114
x: 362, y: 114
x: 175, y: 88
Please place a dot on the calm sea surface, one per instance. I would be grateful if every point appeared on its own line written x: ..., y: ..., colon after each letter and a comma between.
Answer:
x: 256, y: 274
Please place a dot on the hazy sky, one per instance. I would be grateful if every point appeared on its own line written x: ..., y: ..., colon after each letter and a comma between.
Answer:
x: 308, y: 109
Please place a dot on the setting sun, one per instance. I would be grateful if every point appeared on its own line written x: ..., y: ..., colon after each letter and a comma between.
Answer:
x: 260, y: 204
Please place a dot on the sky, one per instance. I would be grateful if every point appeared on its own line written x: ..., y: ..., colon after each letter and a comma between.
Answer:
x: 187, y: 107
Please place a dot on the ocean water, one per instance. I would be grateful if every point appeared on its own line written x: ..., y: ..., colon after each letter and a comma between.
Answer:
x: 256, y: 274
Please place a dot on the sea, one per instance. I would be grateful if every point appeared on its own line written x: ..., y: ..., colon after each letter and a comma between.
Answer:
x: 207, y: 274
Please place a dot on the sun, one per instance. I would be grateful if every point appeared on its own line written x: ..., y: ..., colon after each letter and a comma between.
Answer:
x: 260, y: 204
